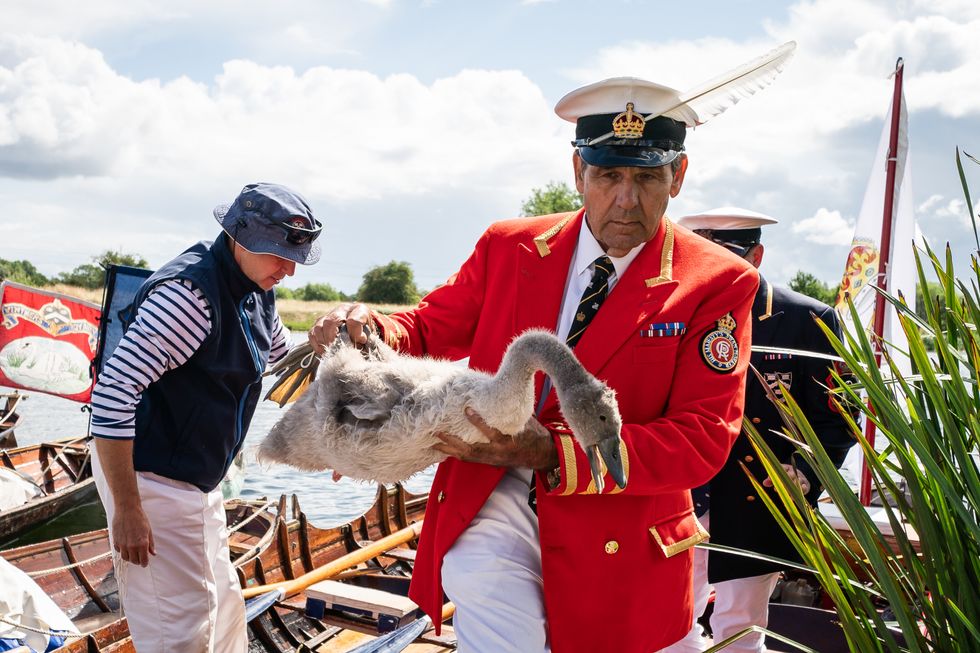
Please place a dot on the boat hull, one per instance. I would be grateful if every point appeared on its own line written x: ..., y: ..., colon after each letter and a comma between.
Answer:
x: 62, y: 472
x: 281, y: 549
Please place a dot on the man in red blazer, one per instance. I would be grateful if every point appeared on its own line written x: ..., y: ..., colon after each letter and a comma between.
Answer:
x: 665, y: 323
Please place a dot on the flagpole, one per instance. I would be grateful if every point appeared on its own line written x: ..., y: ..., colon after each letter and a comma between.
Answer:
x: 884, y: 257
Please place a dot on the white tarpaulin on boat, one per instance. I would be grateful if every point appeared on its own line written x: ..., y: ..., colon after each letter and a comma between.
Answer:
x: 15, y: 490
x: 23, y: 602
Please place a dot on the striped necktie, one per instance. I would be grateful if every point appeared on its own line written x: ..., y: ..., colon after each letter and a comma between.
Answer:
x: 591, y: 300
x: 588, y: 306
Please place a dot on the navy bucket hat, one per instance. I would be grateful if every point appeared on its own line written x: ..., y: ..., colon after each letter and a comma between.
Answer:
x: 272, y: 219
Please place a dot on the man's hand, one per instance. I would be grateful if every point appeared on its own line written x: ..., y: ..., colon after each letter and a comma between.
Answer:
x: 532, y: 447
x: 132, y: 536
x: 324, y: 330
x: 794, y: 475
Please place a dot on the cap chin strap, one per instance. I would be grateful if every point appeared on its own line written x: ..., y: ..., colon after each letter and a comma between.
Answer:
x: 631, y: 142
x: 738, y: 248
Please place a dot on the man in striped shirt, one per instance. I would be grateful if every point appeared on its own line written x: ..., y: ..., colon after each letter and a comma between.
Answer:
x: 171, y: 410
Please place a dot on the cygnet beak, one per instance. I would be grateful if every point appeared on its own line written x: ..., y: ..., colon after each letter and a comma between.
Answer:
x: 606, y: 454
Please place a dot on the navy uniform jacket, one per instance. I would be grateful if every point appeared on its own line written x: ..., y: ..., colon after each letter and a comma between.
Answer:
x: 739, y: 518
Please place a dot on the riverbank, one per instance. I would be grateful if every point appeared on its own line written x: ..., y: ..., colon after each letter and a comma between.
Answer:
x: 297, y: 314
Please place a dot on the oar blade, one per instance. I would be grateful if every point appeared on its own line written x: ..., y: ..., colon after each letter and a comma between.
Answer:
x: 258, y: 605
x: 396, y: 640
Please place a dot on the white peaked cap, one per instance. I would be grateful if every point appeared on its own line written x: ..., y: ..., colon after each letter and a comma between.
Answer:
x: 725, y: 218
x: 611, y: 96
x: 690, y: 108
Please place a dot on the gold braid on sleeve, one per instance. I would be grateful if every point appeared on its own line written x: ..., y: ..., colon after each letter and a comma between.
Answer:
x: 391, y: 332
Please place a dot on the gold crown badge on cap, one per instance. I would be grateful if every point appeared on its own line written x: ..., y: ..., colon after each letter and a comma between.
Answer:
x: 628, y: 124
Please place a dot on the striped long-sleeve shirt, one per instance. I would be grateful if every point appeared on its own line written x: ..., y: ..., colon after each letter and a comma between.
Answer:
x: 170, y: 325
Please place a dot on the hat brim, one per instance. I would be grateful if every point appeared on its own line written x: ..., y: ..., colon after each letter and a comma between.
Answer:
x: 627, y: 156
x: 304, y: 254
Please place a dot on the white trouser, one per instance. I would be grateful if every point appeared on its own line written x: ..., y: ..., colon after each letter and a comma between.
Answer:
x: 739, y: 603
x: 493, y: 575
x: 187, y: 598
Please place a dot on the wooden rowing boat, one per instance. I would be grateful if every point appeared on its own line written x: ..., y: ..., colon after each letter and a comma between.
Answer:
x: 77, y: 573
x: 301, y: 548
x: 61, y: 473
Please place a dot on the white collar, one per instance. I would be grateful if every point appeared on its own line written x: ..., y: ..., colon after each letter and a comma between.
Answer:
x: 588, y: 250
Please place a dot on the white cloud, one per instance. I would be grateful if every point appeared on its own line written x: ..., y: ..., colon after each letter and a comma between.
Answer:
x: 929, y: 204
x: 955, y: 208
x: 838, y: 78
x: 937, y: 207
x: 63, y: 111
x: 826, y: 227
x: 328, y: 18
x: 339, y: 133
x: 806, y: 140
x: 961, y: 9
x: 77, y: 20
x: 390, y: 159
x: 159, y: 155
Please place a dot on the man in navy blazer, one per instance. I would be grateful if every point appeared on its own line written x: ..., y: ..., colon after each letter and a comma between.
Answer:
x: 738, y: 518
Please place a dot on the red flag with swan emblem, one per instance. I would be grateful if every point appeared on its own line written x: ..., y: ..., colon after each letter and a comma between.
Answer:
x: 47, y: 341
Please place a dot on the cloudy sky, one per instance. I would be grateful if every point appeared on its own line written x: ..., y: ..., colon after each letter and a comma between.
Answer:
x: 412, y: 124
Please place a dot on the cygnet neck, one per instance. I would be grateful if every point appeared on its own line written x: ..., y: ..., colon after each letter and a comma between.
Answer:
x: 538, y: 350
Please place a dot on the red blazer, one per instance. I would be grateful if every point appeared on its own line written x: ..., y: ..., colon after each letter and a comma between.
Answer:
x: 616, y: 566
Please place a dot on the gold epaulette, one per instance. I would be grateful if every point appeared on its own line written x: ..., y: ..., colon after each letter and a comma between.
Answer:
x: 541, y: 240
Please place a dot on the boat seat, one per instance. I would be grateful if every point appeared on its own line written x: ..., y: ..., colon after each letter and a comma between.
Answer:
x: 385, y: 609
x: 239, y: 548
x: 96, y: 621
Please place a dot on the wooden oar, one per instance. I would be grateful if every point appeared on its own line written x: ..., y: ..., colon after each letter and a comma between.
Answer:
x: 397, y: 640
x: 272, y: 592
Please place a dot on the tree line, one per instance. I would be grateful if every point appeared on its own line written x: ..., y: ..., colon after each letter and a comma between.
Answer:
x: 392, y: 283
x: 87, y: 275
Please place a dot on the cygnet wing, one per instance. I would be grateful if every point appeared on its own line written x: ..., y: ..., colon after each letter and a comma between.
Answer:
x: 372, y: 393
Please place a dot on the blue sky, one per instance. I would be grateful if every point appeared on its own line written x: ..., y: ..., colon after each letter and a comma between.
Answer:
x: 412, y: 125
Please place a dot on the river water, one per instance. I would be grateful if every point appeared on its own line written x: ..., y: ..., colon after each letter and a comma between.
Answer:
x: 325, y: 503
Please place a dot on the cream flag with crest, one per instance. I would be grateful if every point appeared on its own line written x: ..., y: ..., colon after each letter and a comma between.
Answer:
x: 863, y: 267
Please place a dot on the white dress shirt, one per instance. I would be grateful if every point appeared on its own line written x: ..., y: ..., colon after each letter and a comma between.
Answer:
x: 580, y: 274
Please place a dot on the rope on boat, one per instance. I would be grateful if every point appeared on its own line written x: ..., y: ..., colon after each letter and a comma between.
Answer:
x: 255, y: 514
x: 46, y: 572
x: 44, y: 631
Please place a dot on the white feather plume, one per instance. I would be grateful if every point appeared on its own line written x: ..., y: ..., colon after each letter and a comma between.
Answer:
x: 725, y: 91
